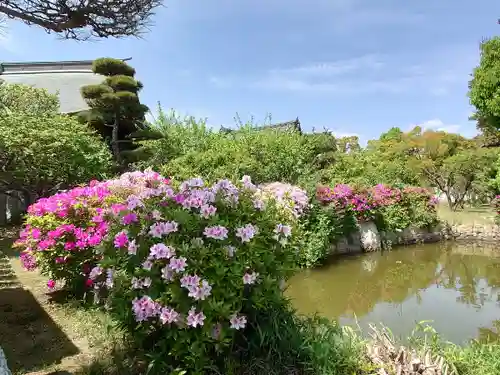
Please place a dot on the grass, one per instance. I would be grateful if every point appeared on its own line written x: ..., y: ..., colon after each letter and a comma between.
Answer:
x: 38, y: 335
x: 476, y: 358
x: 482, y: 215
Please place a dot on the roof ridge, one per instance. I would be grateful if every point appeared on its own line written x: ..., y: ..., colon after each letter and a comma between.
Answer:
x: 70, y: 62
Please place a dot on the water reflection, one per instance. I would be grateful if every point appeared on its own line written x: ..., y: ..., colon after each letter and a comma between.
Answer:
x: 455, y: 285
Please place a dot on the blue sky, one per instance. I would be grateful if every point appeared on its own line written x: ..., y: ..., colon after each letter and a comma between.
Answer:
x: 352, y: 66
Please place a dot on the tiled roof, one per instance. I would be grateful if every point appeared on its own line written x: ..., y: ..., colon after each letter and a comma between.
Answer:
x: 289, y: 125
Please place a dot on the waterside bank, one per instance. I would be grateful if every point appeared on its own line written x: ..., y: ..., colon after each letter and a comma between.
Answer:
x: 368, y: 238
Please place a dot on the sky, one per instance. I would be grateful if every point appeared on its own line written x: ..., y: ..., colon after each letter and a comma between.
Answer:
x: 354, y: 67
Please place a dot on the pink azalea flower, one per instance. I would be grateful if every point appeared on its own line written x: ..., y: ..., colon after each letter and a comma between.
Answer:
x: 238, y: 321
x: 129, y: 218
x: 132, y: 247
x: 133, y: 202
x: 200, y: 292
x: 167, y: 273
x: 250, y: 278
x: 207, y: 210
x: 168, y: 315
x: 178, y: 264
x: 121, y: 239
x: 195, y: 319
x: 284, y: 230
x: 190, y: 280
x: 217, y: 232
x: 246, y: 233
x: 51, y: 284
x: 161, y: 251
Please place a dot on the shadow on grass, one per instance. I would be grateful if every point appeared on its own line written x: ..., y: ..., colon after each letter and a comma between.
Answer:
x: 120, y: 361
x: 28, y: 335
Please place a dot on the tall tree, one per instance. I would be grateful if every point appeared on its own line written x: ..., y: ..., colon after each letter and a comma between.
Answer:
x: 484, y: 88
x: 449, y: 162
x: 84, y: 19
x: 115, y: 110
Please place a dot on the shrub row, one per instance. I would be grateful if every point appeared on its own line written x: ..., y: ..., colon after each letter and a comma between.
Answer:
x: 390, y: 207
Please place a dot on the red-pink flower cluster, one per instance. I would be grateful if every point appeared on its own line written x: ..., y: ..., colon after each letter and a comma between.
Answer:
x: 62, y: 231
x: 364, y: 202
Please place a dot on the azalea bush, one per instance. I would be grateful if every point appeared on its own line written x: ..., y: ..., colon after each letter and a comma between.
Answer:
x: 61, y: 232
x: 337, y: 211
x: 420, y: 206
x: 186, y: 268
x: 391, y: 208
x: 60, y: 235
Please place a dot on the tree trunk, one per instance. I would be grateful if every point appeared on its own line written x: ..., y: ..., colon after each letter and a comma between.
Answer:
x: 115, y: 145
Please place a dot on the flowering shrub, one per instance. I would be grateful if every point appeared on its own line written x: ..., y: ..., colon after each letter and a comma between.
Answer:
x: 181, y: 266
x: 290, y: 197
x: 188, y: 266
x: 61, y: 232
x: 390, y: 207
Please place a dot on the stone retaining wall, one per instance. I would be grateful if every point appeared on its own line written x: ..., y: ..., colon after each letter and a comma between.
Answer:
x: 368, y: 238
x: 475, y: 232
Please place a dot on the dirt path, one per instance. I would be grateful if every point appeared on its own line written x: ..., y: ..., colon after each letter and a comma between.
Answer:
x: 40, y: 337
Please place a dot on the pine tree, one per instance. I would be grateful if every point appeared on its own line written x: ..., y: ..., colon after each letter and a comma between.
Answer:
x: 115, y: 109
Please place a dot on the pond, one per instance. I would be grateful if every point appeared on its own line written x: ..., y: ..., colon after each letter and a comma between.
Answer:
x: 456, y: 286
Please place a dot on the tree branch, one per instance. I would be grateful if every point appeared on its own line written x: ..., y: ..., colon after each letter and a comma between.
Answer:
x: 84, y: 19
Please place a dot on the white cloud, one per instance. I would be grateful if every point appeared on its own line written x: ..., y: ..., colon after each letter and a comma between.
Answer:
x: 369, y: 73
x: 342, y: 134
x: 327, y: 69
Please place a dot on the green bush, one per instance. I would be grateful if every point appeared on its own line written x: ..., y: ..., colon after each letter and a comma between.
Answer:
x: 15, y: 98
x: 186, y: 147
x: 265, y: 155
x: 187, y: 274
x: 43, y: 153
x: 320, y: 229
x: 172, y: 137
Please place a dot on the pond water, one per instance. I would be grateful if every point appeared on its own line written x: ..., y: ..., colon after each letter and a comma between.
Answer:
x: 456, y: 286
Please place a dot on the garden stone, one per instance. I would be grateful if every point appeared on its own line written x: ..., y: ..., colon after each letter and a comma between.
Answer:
x: 4, y: 369
x: 369, y: 236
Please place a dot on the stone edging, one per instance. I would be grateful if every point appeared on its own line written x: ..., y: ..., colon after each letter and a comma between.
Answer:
x: 475, y: 232
x: 367, y: 238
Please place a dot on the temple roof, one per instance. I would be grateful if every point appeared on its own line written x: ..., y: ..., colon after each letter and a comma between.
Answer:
x: 289, y: 125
